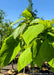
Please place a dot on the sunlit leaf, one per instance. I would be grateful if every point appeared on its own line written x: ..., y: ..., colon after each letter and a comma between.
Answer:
x: 53, y: 28
x: 17, y: 21
x: 32, y: 32
x: 51, y: 63
x: 18, y: 30
x: 51, y: 34
x: 24, y: 59
x: 53, y: 44
x: 27, y: 14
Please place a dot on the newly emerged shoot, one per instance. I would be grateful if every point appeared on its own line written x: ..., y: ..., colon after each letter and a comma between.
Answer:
x: 34, y: 38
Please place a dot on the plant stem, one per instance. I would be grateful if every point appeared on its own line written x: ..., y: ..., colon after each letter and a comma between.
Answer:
x: 0, y: 67
x: 12, y: 65
x: 24, y: 70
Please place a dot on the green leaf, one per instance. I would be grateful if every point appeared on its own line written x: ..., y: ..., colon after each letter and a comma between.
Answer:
x: 51, y: 63
x: 46, y: 50
x: 52, y: 21
x: 19, y: 30
x: 52, y: 69
x: 9, y: 50
x: 47, y: 23
x: 24, y: 59
x: 32, y: 32
x: 52, y: 44
x: 18, y: 21
x: 27, y: 14
x: 51, y: 34
x: 46, y: 53
x: 39, y: 60
x: 34, y: 49
x: 34, y: 21
x: 53, y: 28
x: 34, y: 52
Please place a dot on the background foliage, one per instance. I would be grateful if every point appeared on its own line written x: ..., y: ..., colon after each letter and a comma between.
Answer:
x: 5, y: 30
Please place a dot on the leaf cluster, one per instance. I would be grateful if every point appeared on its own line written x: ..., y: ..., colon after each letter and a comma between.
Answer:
x: 34, y: 38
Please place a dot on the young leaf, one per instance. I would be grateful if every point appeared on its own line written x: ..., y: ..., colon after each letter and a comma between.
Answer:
x: 24, y: 59
x: 32, y: 32
x: 19, y: 30
x: 47, y: 23
x: 52, y: 22
x: 27, y: 14
x: 9, y: 50
x: 18, y: 21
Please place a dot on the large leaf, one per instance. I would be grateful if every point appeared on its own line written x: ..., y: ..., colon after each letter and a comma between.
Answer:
x: 9, y: 50
x: 27, y: 14
x: 19, y: 30
x: 18, y: 21
x: 24, y: 59
x: 32, y: 32
x: 46, y: 53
